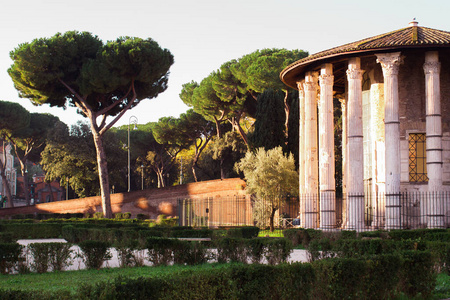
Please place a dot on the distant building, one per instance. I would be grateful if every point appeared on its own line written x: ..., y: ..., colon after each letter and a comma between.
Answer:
x: 10, y: 171
x: 40, y: 190
x: 394, y: 90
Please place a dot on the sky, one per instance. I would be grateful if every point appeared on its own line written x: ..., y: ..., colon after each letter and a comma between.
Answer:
x: 203, y: 34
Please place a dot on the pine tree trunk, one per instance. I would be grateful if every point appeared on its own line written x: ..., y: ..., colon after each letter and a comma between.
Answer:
x: 49, y: 184
x: 103, y: 174
x: 23, y: 171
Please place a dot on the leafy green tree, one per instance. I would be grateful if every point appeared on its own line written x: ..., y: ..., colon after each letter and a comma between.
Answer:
x: 269, y: 124
x: 13, y: 117
x: 271, y: 177
x: 69, y: 157
x: 101, y: 80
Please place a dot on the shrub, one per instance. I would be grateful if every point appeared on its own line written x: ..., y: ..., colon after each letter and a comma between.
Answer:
x: 97, y: 215
x: 60, y: 256
x: 192, y: 233
x: 40, y: 254
x: 246, y: 232
x: 416, y: 274
x: 382, y: 276
x: 6, y: 237
x: 256, y: 249
x: 277, y: 250
x: 231, y: 250
x: 94, y: 253
x: 338, y: 278
x: 142, y: 216
x: 160, y: 250
x: 319, y: 249
x: 440, y: 252
x: 190, y: 253
x: 129, y: 253
x: 10, y: 257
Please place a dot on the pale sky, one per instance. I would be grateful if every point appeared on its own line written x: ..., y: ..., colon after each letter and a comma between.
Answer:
x: 204, y: 34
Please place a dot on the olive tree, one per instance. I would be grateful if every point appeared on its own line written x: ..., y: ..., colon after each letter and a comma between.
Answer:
x: 271, y: 177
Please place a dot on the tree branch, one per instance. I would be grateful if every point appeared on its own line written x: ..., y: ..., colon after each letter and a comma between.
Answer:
x: 85, y: 107
x: 104, y: 129
x: 108, y: 108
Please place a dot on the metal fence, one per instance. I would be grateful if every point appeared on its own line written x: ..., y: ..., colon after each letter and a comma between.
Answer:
x: 408, y: 210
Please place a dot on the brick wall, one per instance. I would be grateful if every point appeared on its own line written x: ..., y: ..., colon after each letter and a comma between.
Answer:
x: 152, y: 202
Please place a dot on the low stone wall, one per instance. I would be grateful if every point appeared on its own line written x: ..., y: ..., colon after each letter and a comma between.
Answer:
x: 152, y: 202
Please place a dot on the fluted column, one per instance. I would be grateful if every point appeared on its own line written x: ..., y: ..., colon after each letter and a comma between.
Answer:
x: 435, y: 207
x: 311, y: 162
x: 355, y: 176
x: 344, y: 160
x: 301, y: 150
x: 390, y: 63
x: 326, y: 149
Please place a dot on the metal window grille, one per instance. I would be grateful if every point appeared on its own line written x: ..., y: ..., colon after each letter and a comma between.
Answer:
x: 417, y: 158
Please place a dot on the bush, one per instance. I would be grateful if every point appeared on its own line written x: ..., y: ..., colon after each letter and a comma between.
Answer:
x: 382, y: 276
x: 160, y: 250
x: 94, y: 253
x: 60, y: 256
x: 10, y: 257
x: 34, y: 230
x: 192, y: 233
x: 6, y: 237
x: 319, y: 249
x: 231, y: 250
x: 277, y: 250
x: 246, y: 232
x: 440, y: 252
x: 142, y: 216
x: 338, y: 278
x: 256, y: 249
x: 129, y: 253
x: 190, y: 253
x: 416, y: 274
x: 40, y: 254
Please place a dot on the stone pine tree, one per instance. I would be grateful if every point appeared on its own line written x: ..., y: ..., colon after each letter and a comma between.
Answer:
x: 13, y: 117
x: 270, y: 121
x: 271, y: 177
x: 101, y: 79
x: 29, y: 142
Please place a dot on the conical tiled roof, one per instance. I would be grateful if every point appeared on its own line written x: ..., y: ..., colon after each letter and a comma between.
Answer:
x: 409, y: 37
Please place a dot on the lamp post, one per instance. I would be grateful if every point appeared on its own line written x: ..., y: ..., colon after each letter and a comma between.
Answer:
x: 142, y: 177
x: 132, y: 120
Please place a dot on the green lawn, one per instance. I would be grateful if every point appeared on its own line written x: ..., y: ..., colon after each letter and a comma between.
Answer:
x: 275, y: 233
x: 72, y: 280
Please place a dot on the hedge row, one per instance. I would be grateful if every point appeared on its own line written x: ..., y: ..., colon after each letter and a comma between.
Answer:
x: 75, y: 231
x: 164, y: 251
x: 384, y: 276
x: 305, y: 236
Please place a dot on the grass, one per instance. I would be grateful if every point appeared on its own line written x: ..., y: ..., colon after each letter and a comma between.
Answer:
x: 72, y: 280
x: 275, y: 233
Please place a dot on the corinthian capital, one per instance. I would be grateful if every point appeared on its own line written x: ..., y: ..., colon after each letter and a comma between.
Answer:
x: 354, y: 73
x: 432, y: 67
x: 310, y: 83
x: 326, y: 79
x: 390, y: 62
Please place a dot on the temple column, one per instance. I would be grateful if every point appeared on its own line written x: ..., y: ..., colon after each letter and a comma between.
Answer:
x: 355, y: 176
x: 311, y: 162
x: 301, y: 151
x: 435, y: 207
x: 326, y: 149
x: 344, y: 161
x: 390, y: 64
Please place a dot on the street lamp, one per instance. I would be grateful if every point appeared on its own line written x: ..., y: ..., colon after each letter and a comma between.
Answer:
x: 132, y: 120
x: 142, y: 178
